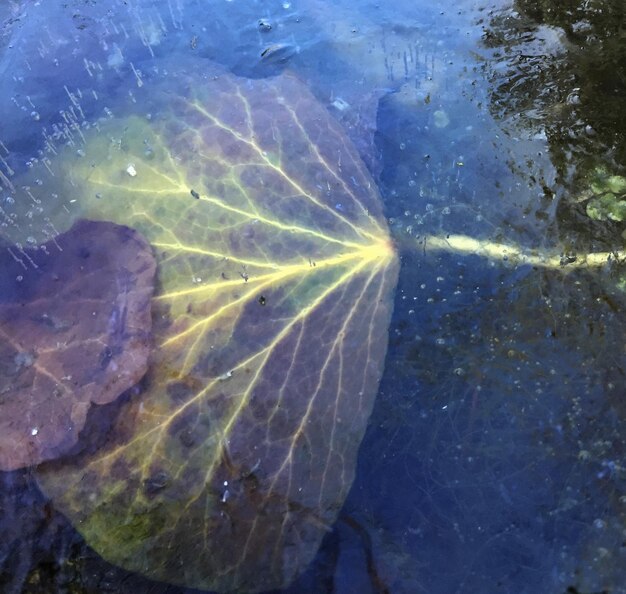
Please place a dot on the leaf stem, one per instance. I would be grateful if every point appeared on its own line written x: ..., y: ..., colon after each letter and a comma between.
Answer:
x: 503, y: 252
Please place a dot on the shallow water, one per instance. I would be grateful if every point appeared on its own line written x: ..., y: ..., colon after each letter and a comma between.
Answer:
x: 494, y: 457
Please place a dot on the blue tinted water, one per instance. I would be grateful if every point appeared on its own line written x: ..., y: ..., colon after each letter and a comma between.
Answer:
x: 495, y: 458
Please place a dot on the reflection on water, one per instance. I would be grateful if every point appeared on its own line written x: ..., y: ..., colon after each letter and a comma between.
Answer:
x: 561, y: 76
x: 494, y: 458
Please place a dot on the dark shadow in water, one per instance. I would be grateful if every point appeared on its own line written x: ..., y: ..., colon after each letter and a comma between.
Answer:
x: 559, y: 69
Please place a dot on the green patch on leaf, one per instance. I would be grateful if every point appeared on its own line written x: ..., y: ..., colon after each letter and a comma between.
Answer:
x: 608, y: 197
x: 607, y: 207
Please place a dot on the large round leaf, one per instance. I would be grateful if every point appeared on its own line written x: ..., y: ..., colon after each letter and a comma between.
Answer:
x: 276, y: 273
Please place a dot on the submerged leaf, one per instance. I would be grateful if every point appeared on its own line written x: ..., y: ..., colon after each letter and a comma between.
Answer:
x: 276, y: 275
x: 74, y: 330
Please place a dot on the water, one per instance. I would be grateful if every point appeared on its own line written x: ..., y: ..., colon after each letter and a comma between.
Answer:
x: 494, y: 457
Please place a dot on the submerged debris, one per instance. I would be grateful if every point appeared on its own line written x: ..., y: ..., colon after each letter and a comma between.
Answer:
x: 90, y: 287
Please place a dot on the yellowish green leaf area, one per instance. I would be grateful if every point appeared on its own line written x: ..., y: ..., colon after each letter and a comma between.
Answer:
x: 276, y: 274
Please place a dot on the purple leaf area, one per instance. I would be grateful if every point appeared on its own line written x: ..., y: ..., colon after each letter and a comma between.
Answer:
x: 75, y: 327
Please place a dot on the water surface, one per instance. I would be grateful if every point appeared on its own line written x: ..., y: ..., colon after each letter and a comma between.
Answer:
x: 494, y: 459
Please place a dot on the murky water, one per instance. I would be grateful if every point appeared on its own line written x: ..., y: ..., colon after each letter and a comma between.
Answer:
x: 494, y: 459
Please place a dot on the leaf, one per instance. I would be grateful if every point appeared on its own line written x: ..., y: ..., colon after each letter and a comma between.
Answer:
x: 74, y: 330
x: 276, y: 274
